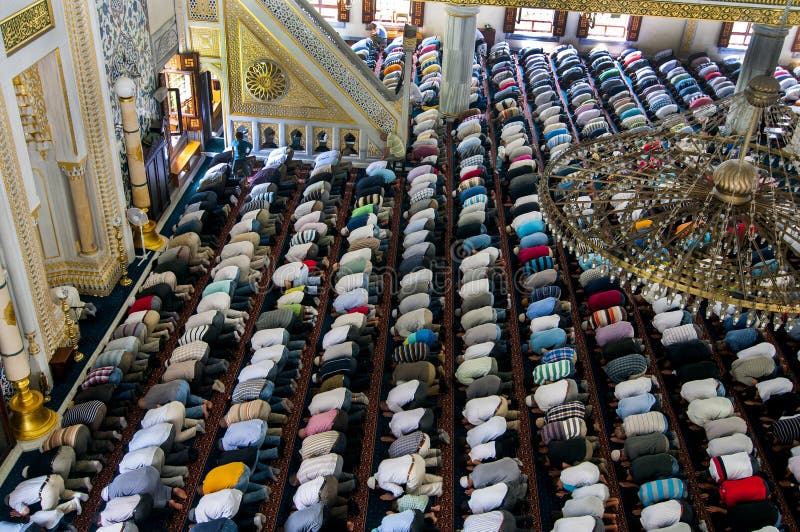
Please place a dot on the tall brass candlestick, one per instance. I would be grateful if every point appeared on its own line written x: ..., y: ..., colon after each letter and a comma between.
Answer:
x: 123, y: 253
x: 72, y: 328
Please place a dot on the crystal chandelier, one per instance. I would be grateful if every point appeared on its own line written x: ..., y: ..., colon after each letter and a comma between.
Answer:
x: 705, y: 206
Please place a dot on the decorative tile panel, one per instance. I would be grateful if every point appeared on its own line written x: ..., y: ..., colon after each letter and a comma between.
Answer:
x: 205, y: 41
x: 202, y: 10
x: 26, y: 25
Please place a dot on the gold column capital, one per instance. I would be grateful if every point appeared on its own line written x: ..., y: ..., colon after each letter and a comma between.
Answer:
x: 74, y: 171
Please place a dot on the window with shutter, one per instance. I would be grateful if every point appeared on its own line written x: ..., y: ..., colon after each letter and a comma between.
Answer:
x: 329, y: 9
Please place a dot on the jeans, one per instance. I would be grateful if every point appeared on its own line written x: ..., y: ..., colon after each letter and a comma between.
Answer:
x: 252, y: 491
x: 194, y: 404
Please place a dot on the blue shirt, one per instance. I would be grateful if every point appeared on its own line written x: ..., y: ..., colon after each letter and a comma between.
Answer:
x: 543, y: 307
x: 476, y: 243
x: 244, y: 434
x: 425, y: 336
x: 534, y: 239
x: 241, y: 149
x: 380, y: 31
x: 308, y: 519
x: 529, y: 228
x: 396, y: 522
x: 638, y: 404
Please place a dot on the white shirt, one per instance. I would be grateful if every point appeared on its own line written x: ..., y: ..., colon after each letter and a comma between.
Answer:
x: 203, y: 318
x: 489, y: 430
x: 267, y: 338
x: 474, y: 287
x: 256, y: 370
x: 545, y: 323
x: 155, y: 435
x: 288, y: 272
x: 415, y: 277
x: 574, y: 524
x: 665, y: 303
x: 480, y: 350
x: 393, y: 473
x: 488, y: 498
x: 271, y: 352
x: 319, y: 466
x: 335, y: 336
x: 356, y: 319
x: 480, y: 409
x: 699, y: 389
x: 311, y: 217
x: 737, y: 466
x: 550, y: 395
x: 308, y: 493
x: 363, y: 253
x: 405, y: 421
x: 763, y: 349
x: 583, y: 474
x: 218, y: 505
x: 45, y: 489
x: 794, y: 467
x: 365, y: 231
x: 322, y: 402
x: 119, y: 510
x: 638, y: 386
x: 701, y: 411
x: 482, y: 452
x: 401, y: 395
x: 661, y: 514
x: 485, y: 522
x: 215, y: 301
x: 338, y: 351
x: 597, y: 490
x: 667, y: 320
x: 173, y: 412
x: 146, y: 456
x: 735, y: 443
x: 776, y: 386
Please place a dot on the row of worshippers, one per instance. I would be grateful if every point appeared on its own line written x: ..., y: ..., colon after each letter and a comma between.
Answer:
x: 329, y: 454
x: 549, y: 323
x: 234, y: 489
x: 645, y: 93
x: 650, y: 446
x: 547, y: 108
x: 611, y: 86
x: 393, y: 65
x: 428, y: 74
x: 153, y: 470
x: 495, y: 486
x: 405, y: 475
x: 91, y: 426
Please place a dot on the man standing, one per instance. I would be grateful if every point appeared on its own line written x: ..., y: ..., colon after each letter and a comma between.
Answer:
x: 241, y: 150
x: 377, y: 34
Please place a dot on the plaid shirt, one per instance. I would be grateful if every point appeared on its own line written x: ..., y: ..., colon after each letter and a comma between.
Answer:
x: 566, y: 411
x: 623, y: 368
x: 423, y: 194
x: 475, y: 160
x: 407, y: 444
x: 196, y: 350
x: 556, y: 355
x: 102, y: 376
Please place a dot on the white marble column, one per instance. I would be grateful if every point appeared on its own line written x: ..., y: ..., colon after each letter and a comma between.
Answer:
x: 762, y: 53
x: 76, y: 175
x: 459, y: 49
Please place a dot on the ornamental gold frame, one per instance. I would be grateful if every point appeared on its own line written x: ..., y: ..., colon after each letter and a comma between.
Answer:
x: 758, y: 11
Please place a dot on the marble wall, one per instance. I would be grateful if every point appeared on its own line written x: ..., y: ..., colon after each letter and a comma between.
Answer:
x: 127, y: 50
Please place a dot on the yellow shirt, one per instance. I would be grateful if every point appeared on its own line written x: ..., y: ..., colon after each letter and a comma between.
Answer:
x: 223, y: 477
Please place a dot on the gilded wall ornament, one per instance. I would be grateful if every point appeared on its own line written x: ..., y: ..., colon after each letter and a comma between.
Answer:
x: 26, y: 25
x: 266, y: 80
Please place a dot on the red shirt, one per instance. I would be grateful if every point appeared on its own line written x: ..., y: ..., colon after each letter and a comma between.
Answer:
x: 534, y: 253
x: 477, y: 172
x: 607, y: 299
x: 312, y: 264
x: 750, y: 489
x: 143, y: 303
x: 362, y: 310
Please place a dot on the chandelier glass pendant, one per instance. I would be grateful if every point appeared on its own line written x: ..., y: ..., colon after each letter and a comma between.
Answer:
x: 706, y: 206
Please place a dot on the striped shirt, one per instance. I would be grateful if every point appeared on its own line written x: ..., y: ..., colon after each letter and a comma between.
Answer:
x: 109, y: 358
x: 256, y: 409
x: 102, y: 376
x: 304, y: 237
x: 566, y: 429
x: 275, y: 319
x: 83, y: 414
x: 601, y: 318
x: 320, y: 444
x: 248, y: 390
x: 411, y: 352
x: 787, y: 429
x: 153, y: 279
x: 196, y: 334
x: 544, y: 292
x: 639, y: 424
x: 661, y: 490
x: 553, y: 371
